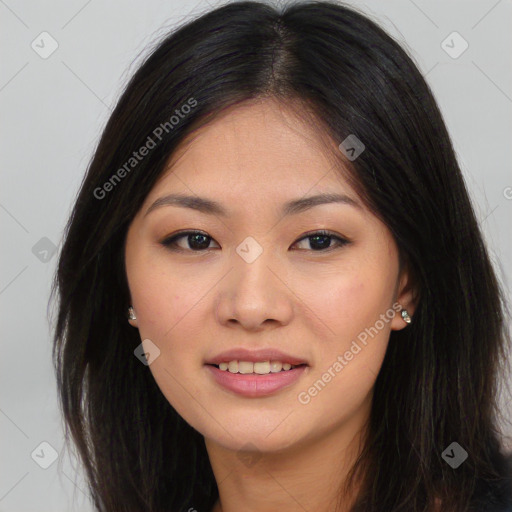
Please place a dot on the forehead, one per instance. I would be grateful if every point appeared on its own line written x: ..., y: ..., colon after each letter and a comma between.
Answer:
x: 258, y: 148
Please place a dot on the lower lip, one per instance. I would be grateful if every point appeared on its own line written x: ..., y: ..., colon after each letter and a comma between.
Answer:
x: 252, y: 385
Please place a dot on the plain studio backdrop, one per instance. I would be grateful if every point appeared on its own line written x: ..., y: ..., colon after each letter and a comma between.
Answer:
x: 63, y: 66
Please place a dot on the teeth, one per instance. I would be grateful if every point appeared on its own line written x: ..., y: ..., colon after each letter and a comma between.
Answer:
x: 260, y: 368
x: 276, y: 366
x: 245, y: 367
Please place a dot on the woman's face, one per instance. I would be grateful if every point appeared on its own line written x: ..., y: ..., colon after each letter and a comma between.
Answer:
x: 253, y: 280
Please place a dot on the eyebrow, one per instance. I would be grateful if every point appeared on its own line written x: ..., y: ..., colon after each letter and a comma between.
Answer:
x: 211, y: 207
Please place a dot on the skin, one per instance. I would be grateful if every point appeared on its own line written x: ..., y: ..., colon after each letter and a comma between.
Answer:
x: 273, y: 452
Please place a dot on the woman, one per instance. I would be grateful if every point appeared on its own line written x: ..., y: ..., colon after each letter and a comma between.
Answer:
x: 313, y: 319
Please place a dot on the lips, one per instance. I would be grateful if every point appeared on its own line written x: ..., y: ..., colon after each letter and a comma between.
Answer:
x: 255, y: 356
x: 256, y: 386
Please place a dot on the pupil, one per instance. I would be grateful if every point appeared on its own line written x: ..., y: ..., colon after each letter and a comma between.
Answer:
x: 198, y: 236
x: 324, y: 245
x: 317, y: 242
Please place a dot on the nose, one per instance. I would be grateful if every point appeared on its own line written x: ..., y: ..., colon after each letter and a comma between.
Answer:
x: 254, y: 295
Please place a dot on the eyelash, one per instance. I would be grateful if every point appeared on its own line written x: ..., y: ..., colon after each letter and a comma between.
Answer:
x: 171, y: 241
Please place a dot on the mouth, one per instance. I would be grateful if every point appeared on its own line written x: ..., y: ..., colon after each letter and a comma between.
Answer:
x: 255, y: 373
x: 255, y: 368
x: 255, y: 379
x: 259, y: 361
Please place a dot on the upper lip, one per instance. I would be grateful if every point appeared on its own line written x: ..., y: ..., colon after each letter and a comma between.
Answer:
x: 254, y: 356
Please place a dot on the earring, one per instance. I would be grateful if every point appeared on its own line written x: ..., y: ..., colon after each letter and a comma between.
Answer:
x: 406, y: 317
x: 131, y: 314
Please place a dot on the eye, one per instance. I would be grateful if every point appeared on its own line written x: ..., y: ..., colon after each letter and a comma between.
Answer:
x: 321, y: 241
x: 197, y: 241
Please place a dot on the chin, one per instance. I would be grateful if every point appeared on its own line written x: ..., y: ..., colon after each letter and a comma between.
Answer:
x: 263, y: 439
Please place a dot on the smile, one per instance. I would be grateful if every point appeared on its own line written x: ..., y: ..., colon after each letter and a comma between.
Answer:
x: 260, y: 367
x: 255, y: 379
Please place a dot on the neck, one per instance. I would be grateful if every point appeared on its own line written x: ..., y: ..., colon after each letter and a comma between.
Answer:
x: 308, y: 476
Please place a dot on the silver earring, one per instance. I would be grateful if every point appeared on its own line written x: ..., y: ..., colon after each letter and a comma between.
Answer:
x: 406, y: 317
x: 131, y: 314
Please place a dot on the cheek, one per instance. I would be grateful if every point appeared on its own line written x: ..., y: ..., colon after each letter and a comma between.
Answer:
x: 348, y: 364
x: 165, y: 306
x: 170, y: 304
x: 352, y: 302
x: 159, y: 296
x: 355, y: 311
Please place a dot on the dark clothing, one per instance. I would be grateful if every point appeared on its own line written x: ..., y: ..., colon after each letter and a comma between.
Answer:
x: 497, y: 496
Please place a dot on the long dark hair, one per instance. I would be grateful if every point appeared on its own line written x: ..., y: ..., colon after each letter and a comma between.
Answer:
x: 439, y: 380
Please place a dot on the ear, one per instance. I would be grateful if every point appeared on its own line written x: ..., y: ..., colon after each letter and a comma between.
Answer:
x: 406, y: 297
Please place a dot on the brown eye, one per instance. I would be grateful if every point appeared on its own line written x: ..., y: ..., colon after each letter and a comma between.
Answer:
x: 195, y: 241
x: 321, y: 241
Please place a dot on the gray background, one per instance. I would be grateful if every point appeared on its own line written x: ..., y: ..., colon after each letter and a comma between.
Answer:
x: 52, y: 112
